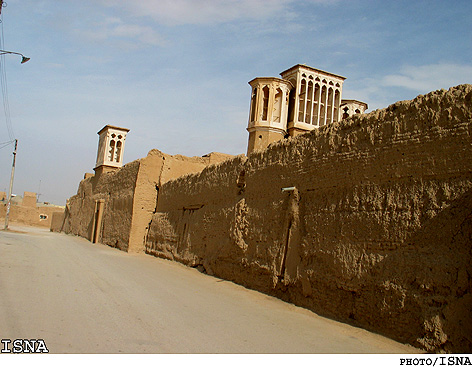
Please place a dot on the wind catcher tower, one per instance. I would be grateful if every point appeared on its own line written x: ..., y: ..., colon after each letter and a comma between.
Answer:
x: 304, y: 99
x: 111, y: 145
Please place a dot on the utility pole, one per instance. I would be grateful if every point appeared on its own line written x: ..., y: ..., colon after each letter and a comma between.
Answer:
x: 11, y: 185
x: 39, y: 192
x: 23, y: 60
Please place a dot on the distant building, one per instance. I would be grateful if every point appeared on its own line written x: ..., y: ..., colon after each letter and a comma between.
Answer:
x: 26, y: 210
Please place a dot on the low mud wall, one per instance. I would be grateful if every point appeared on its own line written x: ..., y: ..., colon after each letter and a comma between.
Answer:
x: 373, y: 228
x: 37, y: 216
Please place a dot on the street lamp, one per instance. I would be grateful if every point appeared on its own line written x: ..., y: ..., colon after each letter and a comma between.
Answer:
x: 7, y: 214
x: 23, y: 57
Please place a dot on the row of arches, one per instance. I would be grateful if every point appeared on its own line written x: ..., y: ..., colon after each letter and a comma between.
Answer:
x: 318, y: 104
x: 265, y: 104
x: 269, y: 103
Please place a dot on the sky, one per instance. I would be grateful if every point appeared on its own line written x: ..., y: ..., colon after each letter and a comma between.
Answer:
x: 176, y: 72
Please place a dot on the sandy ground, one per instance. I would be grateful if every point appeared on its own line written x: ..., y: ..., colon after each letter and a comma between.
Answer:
x: 86, y: 298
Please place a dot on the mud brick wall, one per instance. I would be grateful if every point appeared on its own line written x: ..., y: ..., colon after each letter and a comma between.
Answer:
x: 375, y: 231
x: 129, y: 196
x: 116, y: 189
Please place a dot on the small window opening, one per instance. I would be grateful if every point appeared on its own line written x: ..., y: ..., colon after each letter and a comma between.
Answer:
x: 346, y: 113
x: 277, y: 106
x: 322, y: 106
x: 301, y: 101
x: 118, y: 152
x: 329, y: 112
x: 316, y: 104
x: 253, y: 104
x: 265, y: 103
x: 291, y: 105
x: 111, y: 152
x: 336, y: 106
x: 309, y: 104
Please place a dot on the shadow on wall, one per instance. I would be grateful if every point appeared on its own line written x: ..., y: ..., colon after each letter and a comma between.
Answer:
x: 431, y: 278
x: 418, y: 293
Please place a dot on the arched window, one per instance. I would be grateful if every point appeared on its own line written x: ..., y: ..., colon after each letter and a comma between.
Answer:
x: 309, y: 106
x: 265, y: 102
x: 329, y: 111
x: 323, y: 106
x: 346, y: 113
x: 336, y: 106
x: 111, y: 152
x: 253, y: 104
x: 316, y: 104
x: 291, y: 105
x: 118, y: 152
x: 301, y: 101
x: 276, y: 115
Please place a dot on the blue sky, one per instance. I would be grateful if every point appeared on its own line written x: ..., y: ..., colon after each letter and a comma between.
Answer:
x: 175, y: 72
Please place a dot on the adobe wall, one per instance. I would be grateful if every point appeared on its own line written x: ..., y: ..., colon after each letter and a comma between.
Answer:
x: 57, y: 221
x: 376, y: 233
x: 29, y: 199
x: 116, y: 189
x: 130, y: 198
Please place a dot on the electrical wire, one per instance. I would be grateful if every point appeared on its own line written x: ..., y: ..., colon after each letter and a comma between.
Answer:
x: 5, y: 144
x: 3, y: 82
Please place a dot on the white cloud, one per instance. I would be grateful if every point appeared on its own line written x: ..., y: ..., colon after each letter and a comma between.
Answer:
x: 407, y: 83
x: 176, y: 12
x: 111, y: 28
x: 426, y: 78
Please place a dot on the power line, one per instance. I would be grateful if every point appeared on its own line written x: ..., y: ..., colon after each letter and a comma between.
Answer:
x: 5, y: 144
x: 3, y: 82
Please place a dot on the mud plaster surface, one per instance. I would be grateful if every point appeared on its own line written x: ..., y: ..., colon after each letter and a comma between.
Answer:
x: 377, y: 232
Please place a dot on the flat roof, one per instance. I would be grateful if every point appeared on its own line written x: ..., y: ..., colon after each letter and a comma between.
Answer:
x: 344, y: 101
x: 271, y: 78
x: 312, y: 69
x: 113, y: 127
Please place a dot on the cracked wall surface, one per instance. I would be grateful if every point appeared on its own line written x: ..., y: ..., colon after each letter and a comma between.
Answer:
x: 376, y: 232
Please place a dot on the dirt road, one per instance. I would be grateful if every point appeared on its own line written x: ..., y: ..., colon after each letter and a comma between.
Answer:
x: 86, y: 298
